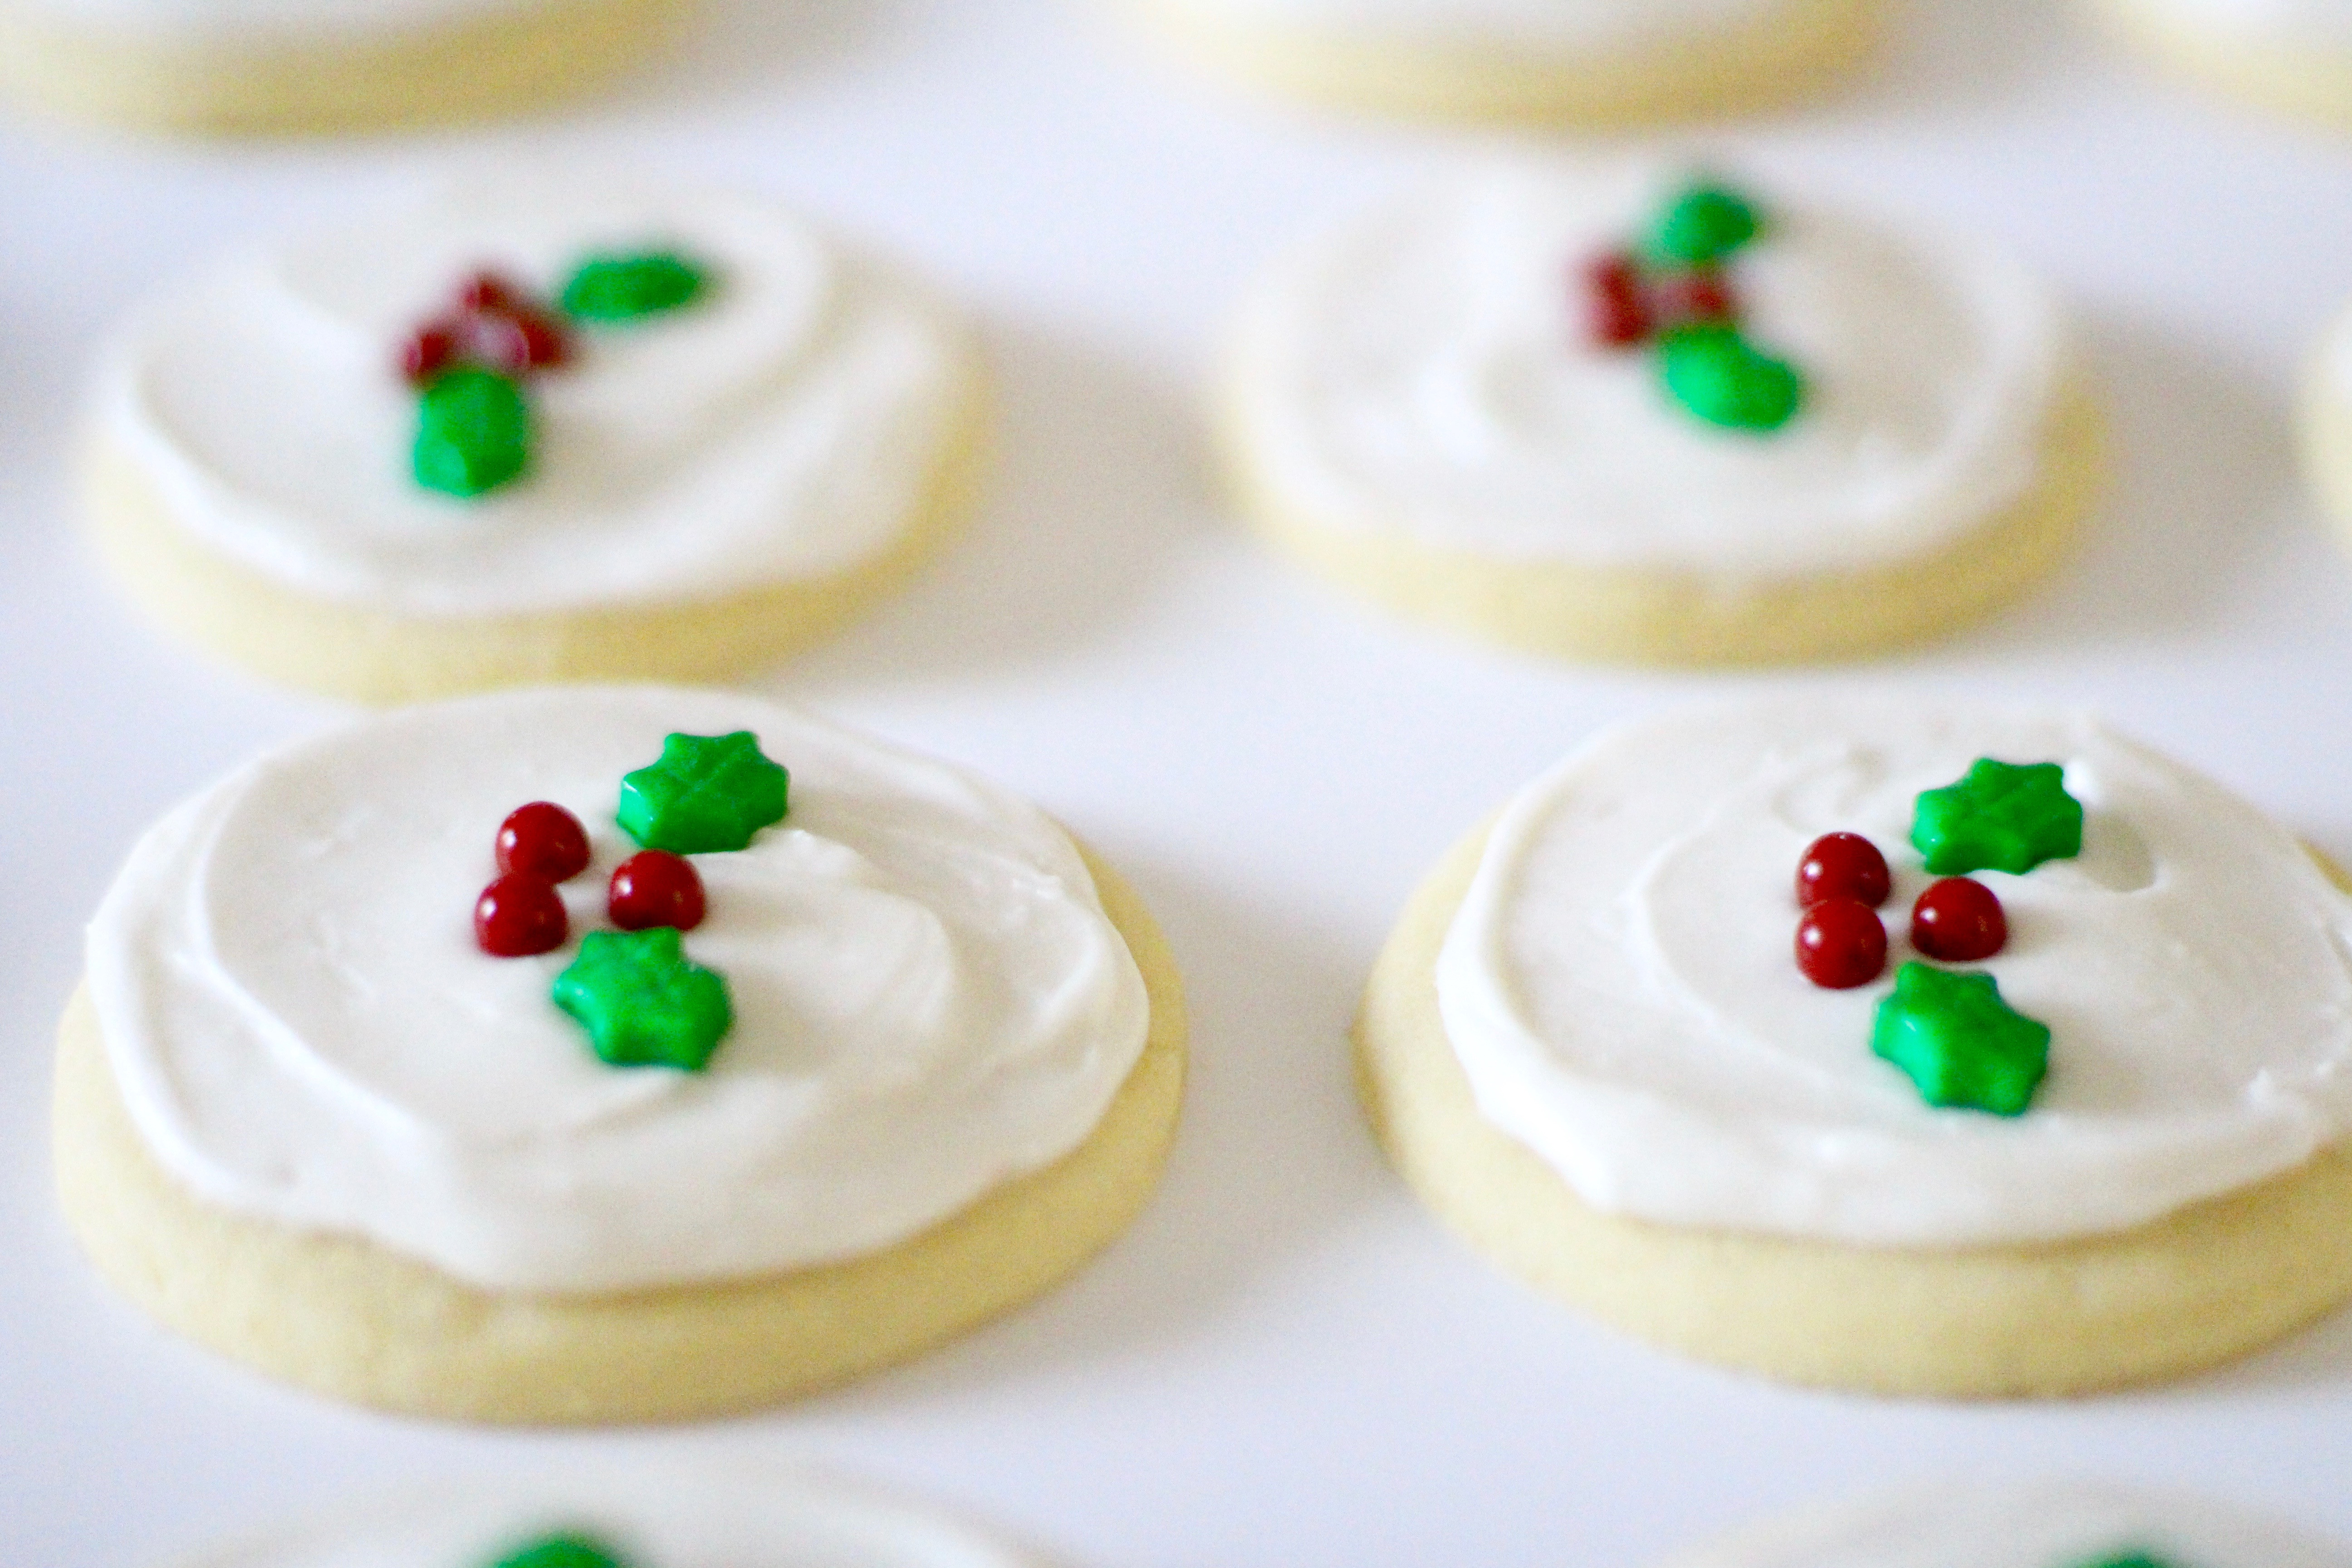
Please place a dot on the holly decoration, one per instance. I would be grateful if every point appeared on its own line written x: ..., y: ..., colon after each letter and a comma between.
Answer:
x: 472, y: 365
x: 1959, y: 1041
x: 708, y: 794
x: 644, y: 1003
x: 566, y: 1551
x: 2000, y: 818
x: 1670, y: 293
x: 521, y: 915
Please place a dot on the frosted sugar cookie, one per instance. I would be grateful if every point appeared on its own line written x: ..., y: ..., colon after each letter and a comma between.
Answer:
x: 2327, y: 425
x: 297, y: 65
x: 1590, y: 63
x: 2045, y: 1091
x: 2028, y: 1524
x: 1620, y: 411
x: 768, y: 1055
x: 529, y: 433
x: 652, y: 1515
x: 2294, y: 56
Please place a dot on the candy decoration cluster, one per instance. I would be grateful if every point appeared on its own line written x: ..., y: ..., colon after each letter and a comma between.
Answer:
x: 642, y: 1001
x: 471, y: 364
x: 1672, y: 292
x: 1959, y: 1042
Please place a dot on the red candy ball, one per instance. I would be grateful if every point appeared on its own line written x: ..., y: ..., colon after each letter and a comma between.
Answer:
x: 516, y: 342
x: 488, y: 291
x: 429, y: 351
x: 542, y: 840
x: 519, y: 915
x: 1843, y: 866
x: 1841, y: 944
x: 1960, y: 921
x: 1616, y: 311
x: 656, y: 887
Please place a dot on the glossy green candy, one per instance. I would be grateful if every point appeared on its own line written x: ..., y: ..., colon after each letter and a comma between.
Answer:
x: 1703, y: 225
x: 1963, y: 1045
x: 612, y: 289
x: 473, y: 432
x: 1725, y: 380
x: 644, y: 1003
x: 2000, y: 817
x: 564, y: 1551
x: 709, y: 794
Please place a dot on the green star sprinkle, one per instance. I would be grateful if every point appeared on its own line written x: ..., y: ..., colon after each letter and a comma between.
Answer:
x: 473, y: 432
x: 644, y: 1003
x: 1959, y: 1041
x: 610, y: 289
x: 563, y: 1552
x: 1703, y: 225
x: 1725, y: 380
x: 2000, y: 817
x: 709, y: 793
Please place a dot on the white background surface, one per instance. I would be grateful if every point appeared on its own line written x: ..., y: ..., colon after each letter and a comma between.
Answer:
x: 1285, y: 1363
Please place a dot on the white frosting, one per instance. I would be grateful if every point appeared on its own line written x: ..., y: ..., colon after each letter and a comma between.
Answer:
x: 1425, y: 371
x: 1620, y: 986
x: 929, y: 1001
x: 2324, y: 23
x: 2040, y: 1524
x: 783, y: 427
x: 1571, y: 23
x: 661, y: 1515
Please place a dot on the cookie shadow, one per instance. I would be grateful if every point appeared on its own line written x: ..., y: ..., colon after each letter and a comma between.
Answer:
x: 1095, y: 481
x: 1271, y: 1153
x: 2203, y: 484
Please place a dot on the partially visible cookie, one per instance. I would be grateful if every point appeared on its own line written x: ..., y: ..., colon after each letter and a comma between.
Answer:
x: 1624, y: 410
x: 2054, y: 1523
x: 655, y: 1514
x: 2326, y: 424
x: 557, y: 430
x: 1587, y: 63
x: 313, y: 66
x: 2292, y: 56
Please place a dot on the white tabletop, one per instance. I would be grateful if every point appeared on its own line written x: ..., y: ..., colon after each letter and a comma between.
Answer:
x: 1287, y: 1361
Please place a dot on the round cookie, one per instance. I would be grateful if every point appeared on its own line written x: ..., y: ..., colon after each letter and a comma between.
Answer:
x: 2326, y: 424
x: 1592, y: 64
x: 2291, y: 56
x: 2054, y: 1523
x: 549, y: 432
x: 657, y: 1514
x: 1613, y: 411
x: 315, y: 66
x: 1590, y: 1048
x: 303, y: 1119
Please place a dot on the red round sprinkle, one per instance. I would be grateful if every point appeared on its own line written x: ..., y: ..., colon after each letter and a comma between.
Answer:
x: 1701, y: 295
x: 519, y: 915
x: 428, y: 352
x: 1843, y: 866
x: 1841, y: 944
x: 1960, y: 921
x: 1617, y: 313
x: 656, y: 887
x: 543, y: 840
x: 488, y: 291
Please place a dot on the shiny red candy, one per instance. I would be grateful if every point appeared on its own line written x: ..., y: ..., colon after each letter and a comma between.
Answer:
x: 1841, y: 943
x: 1702, y: 295
x: 488, y: 291
x: 542, y: 840
x: 429, y: 351
x: 1617, y: 310
x: 656, y: 887
x: 1843, y: 866
x: 1959, y: 920
x: 519, y: 915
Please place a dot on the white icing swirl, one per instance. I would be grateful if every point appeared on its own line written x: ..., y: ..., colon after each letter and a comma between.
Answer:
x: 1620, y: 987
x: 1571, y: 23
x: 781, y: 428
x: 2036, y: 1524
x: 658, y: 1514
x: 1425, y: 371
x: 2319, y: 23
x: 929, y: 1001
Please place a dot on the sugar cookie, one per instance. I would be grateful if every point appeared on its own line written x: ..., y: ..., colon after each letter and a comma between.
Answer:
x: 2326, y: 424
x: 2292, y: 56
